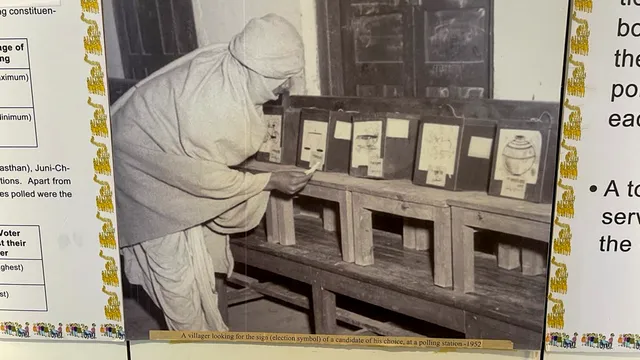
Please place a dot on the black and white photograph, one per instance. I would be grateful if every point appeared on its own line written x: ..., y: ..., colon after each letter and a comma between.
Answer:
x: 344, y: 167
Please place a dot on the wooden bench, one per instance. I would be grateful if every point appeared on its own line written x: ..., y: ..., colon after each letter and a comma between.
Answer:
x: 505, y: 305
x: 474, y: 211
x: 416, y: 205
x: 325, y: 186
x: 358, y: 198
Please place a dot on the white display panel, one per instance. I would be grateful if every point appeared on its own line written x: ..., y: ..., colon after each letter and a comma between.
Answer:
x: 59, y: 260
x: 591, y: 297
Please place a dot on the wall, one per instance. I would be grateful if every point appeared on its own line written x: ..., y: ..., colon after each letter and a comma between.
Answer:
x: 529, y: 40
x: 217, y: 21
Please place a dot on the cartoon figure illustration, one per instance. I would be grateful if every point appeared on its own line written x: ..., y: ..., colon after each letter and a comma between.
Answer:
x: 11, y: 328
x: 565, y: 205
x: 89, y: 333
x: 584, y: 5
x: 572, y: 129
x: 90, y: 6
x: 110, y: 272
x: 95, y: 82
x: 104, y: 201
x: 102, y: 161
x: 579, y: 43
x: 112, y: 309
x: 555, y: 319
x: 569, y: 166
x: 24, y: 331
x: 57, y: 333
x: 562, y: 243
x: 558, y: 283
x: 111, y: 330
x: 576, y: 84
x: 99, y: 125
x: 610, y: 341
x: 93, y: 39
x: 108, y: 234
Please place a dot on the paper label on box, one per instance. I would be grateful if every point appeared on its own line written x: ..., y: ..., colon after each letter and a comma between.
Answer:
x: 343, y: 130
x: 265, y: 147
x: 514, y: 187
x: 314, y: 138
x: 367, y: 142
x: 518, y: 155
x: 436, y: 177
x: 273, y: 137
x: 397, y: 128
x: 438, y: 148
x: 275, y: 156
x: 374, y: 168
x: 317, y: 157
x: 480, y: 147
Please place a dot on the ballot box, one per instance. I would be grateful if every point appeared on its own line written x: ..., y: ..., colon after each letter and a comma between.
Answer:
x: 524, y: 160
x: 383, y: 145
x: 325, y: 137
x: 454, y: 153
x: 281, y: 143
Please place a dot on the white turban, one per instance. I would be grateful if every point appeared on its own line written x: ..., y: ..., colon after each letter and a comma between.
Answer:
x: 270, y: 46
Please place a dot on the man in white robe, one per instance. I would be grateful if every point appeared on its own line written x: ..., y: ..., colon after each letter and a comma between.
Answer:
x: 175, y: 136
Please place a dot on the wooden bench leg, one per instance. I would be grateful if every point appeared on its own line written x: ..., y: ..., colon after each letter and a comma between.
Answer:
x: 296, y: 209
x: 415, y: 234
x: 286, y: 228
x: 423, y: 237
x: 508, y: 256
x: 533, y: 262
x: 272, y: 223
x: 463, y: 253
x: 362, y: 233
x: 329, y: 218
x: 347, y: 227
x: 223, y: 303
x: 324, y: 310
x: 442, y: 248
x: 409, y: 233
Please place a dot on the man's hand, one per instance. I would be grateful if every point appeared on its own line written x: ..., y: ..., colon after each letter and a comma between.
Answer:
x: 288, y: 182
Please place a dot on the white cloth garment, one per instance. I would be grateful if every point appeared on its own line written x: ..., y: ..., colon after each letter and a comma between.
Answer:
x: 175, y: 136
x: 178, y: 274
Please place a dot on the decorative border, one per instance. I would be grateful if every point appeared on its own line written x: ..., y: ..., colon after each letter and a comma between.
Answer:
x: 112, y: 327
x: 69, y: 331
x: 105, y: 209
x: 568, y: 172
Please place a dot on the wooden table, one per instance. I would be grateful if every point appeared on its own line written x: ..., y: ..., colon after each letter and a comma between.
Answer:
x: 472, y: 211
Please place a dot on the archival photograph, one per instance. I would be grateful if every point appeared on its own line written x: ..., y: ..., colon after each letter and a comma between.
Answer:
x: 340, y: 167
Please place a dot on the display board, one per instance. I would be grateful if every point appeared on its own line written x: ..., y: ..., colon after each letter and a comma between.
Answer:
x: 590, y: 297
x: 59, y: 262
x: 363, y: 257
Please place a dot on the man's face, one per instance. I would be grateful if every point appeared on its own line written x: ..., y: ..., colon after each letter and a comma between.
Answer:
x: 285, y: 86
